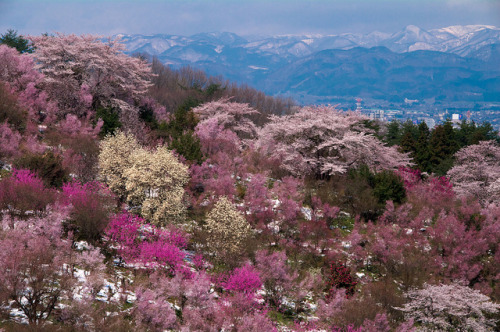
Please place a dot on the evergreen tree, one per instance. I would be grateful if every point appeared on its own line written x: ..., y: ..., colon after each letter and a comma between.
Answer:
x: 422, y: 153
x: 443, y: 145
x: 180, y: 131
x: 12, y: 39
x: 393, y: 136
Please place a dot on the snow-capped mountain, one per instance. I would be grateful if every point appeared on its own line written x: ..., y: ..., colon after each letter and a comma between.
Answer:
x: 460, y: 40
x: 464, y: 56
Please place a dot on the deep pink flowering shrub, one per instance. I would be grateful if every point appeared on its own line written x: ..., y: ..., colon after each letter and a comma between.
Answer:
x: 410, y: 176
x: 244, y: 280
x: 140, y: 243
x: 92, y: 204
x: 24, y: 192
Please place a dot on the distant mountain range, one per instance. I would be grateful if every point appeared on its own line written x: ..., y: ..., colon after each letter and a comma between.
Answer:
x: 448, y: 64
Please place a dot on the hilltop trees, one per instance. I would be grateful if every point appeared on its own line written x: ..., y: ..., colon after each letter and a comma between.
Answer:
x: 12, y: 39
x: 83, y: 72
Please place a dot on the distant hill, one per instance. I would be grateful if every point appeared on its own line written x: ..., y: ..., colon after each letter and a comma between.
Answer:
x: 449, y: 64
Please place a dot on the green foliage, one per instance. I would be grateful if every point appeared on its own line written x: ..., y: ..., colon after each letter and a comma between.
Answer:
x: 212, y: 89
x: 180, y: 131
x: 367, y: 192
x: 388, y: 186
x: 183, y: 118
x: 187, y: 145
x: 443, y: 147
x: 432, y: 150
x: 470, y: 133
x: 111, y: 118
x: 393, y: 135
x: 422, y: 149
x: 147, y: 115
x: 48, y: 166
x: 12, y: 39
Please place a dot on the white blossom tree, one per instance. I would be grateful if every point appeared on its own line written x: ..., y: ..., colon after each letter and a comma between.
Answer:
x: 323, y: 140
x: 450, y: 308
x: 150, y: 180
x: 477, y: 171
x: 227, y: 228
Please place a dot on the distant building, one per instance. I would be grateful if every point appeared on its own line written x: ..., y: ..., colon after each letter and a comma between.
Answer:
x: 411, y: 101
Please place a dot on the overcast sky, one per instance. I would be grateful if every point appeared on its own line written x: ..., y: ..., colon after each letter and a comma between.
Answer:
x: 244, y: 17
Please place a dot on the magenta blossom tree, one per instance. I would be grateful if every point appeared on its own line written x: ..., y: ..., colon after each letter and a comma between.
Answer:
x: 146, y: 245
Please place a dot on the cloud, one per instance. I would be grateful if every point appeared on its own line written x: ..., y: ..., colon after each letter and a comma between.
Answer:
x: 187, y: 17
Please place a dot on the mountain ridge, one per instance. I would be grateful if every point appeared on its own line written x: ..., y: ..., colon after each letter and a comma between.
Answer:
x: 466, y: 59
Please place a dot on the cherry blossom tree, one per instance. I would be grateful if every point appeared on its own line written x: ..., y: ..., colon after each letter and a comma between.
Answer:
x: 323, y: 140
x: 230, y: 115
x: 450, y: 307
x: 83, y: 71
x: 477, y: 171
x: 9, y: 142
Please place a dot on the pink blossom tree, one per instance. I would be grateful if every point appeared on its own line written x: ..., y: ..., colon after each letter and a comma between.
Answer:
x: 323, y: 140
x: 230, y: 115
x: 9, y: 142
x: 477, y: 171
x: 450, y: 307
x: 21, y: 77
x: 146, y: 245
x: 84, y: 72
x: 91, y: 206
x: 38, y: 265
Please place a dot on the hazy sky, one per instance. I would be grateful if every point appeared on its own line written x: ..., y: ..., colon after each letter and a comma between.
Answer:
x: 245, y: 17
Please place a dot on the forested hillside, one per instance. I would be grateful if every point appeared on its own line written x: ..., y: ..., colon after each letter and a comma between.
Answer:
x: 135, y: 197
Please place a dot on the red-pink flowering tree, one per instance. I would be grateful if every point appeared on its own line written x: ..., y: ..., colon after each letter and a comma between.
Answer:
x: 84, y: 72
x: 91, y: 206
x: 323, y: 140
x: 140, y: 243
x: 23, y: 191
x: 244, y: 279
x: 477, y: 171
